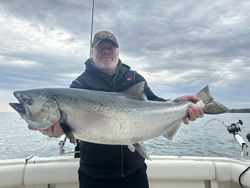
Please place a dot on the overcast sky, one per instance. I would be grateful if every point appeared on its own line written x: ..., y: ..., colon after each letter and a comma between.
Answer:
x: 178, y: 46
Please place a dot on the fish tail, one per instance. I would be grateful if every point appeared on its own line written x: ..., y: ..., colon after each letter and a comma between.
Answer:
x: 211, y: 106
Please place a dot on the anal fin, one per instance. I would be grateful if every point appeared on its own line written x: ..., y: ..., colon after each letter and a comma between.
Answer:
x: 142, y: 150
x: 131, y: 148
x: 173, y: 130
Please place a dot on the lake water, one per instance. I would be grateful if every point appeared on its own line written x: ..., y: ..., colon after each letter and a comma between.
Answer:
x: 206, y: 137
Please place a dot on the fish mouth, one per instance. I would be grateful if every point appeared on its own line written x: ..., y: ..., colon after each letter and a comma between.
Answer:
x: 18, y: 107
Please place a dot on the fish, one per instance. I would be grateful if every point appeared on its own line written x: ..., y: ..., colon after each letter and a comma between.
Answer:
x: 110, y: 118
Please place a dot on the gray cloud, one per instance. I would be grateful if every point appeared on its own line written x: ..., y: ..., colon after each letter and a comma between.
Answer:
x: 178, y: 46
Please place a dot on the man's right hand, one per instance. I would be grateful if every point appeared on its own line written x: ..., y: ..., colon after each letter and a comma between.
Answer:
x: 53, y: 131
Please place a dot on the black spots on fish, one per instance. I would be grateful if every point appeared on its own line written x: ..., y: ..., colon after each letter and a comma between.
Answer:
x: 73, y: 99
x: 135, y: 126
x: 122, y: 125
x: 76, y: 100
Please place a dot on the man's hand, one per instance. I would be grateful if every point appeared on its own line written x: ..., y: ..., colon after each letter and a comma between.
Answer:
x: 192, y: 111
x: 54, y: 131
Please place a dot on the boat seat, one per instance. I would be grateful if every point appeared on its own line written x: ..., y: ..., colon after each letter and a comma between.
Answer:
x: 12, y: 175
x: 36, y: 174
x: 197, y: 171
x: 185, y: 170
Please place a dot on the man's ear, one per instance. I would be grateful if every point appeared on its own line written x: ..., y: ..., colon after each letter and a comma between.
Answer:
x: 91, y: 55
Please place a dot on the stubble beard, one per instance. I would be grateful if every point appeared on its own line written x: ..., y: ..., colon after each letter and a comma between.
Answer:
x: 108, y: 65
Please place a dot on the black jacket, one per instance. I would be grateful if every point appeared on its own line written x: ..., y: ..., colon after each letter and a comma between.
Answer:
x: 109, y: 161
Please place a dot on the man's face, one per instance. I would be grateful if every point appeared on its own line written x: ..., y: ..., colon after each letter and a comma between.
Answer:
x: 105, y: 56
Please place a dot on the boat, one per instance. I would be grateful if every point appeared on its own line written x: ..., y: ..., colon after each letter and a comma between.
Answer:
x: 163, y: 171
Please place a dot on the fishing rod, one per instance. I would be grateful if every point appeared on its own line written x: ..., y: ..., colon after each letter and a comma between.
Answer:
x: 91, y: 32
x: 61, y: 146
x: 248, y: 137
x: 63, y: 137
x: 234, y: 129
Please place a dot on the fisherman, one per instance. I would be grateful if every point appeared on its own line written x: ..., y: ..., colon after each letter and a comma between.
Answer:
x: 112, y: 165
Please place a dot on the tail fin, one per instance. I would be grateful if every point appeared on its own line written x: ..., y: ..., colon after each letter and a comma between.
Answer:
x: 211, y: 106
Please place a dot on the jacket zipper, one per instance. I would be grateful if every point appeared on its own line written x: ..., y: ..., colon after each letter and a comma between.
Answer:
x: 114, y: 88
x: 122, y: 162
x: 112, y: 84
x: 114, y: 80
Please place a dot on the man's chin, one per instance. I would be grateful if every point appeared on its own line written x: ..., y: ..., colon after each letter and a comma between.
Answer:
x: 108, y: 64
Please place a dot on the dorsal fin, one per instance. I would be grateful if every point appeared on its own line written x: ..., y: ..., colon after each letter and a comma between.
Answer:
x: 137, y: 91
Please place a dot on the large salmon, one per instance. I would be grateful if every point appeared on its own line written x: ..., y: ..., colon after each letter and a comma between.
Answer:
x: 126, y: 118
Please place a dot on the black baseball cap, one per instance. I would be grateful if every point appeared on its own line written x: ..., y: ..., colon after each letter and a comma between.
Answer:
x: 104, y: 35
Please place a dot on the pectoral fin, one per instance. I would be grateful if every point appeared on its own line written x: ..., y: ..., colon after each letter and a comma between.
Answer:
x: 142, y: 150
x: 66, y: 128
x: 67, y: 131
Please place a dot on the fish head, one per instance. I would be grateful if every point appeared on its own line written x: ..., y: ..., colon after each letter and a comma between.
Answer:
x: 38, y: 108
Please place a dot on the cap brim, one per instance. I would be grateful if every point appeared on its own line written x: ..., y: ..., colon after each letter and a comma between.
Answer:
x: 101, y: 41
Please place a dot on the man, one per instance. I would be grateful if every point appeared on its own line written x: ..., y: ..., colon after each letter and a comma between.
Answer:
x: 112, y: 165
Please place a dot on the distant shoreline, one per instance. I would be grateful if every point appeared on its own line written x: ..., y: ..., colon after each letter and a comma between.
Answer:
x: 244, y: 110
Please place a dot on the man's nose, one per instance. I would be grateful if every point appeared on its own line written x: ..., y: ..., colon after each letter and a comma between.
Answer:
x: 106, y: 51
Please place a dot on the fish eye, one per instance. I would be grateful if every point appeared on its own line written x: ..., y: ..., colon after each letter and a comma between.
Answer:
x: 28, y: 101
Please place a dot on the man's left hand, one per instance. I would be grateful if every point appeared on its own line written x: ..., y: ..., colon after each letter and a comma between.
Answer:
x: 192, y: 111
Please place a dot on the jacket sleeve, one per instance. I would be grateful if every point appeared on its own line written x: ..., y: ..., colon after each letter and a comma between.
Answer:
x: 78, y: 84
x: 148, y: 92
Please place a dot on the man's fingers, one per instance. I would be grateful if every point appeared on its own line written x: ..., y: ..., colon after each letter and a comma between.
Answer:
x: 186, y: 120
x: 53, y: 131
x: 193, y: 114
x: 195, y: 98
x: 57, y: 131
x: 201, y: 112
x: 196, y: 112
x: 48, y: 132
x: 32, y: 128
